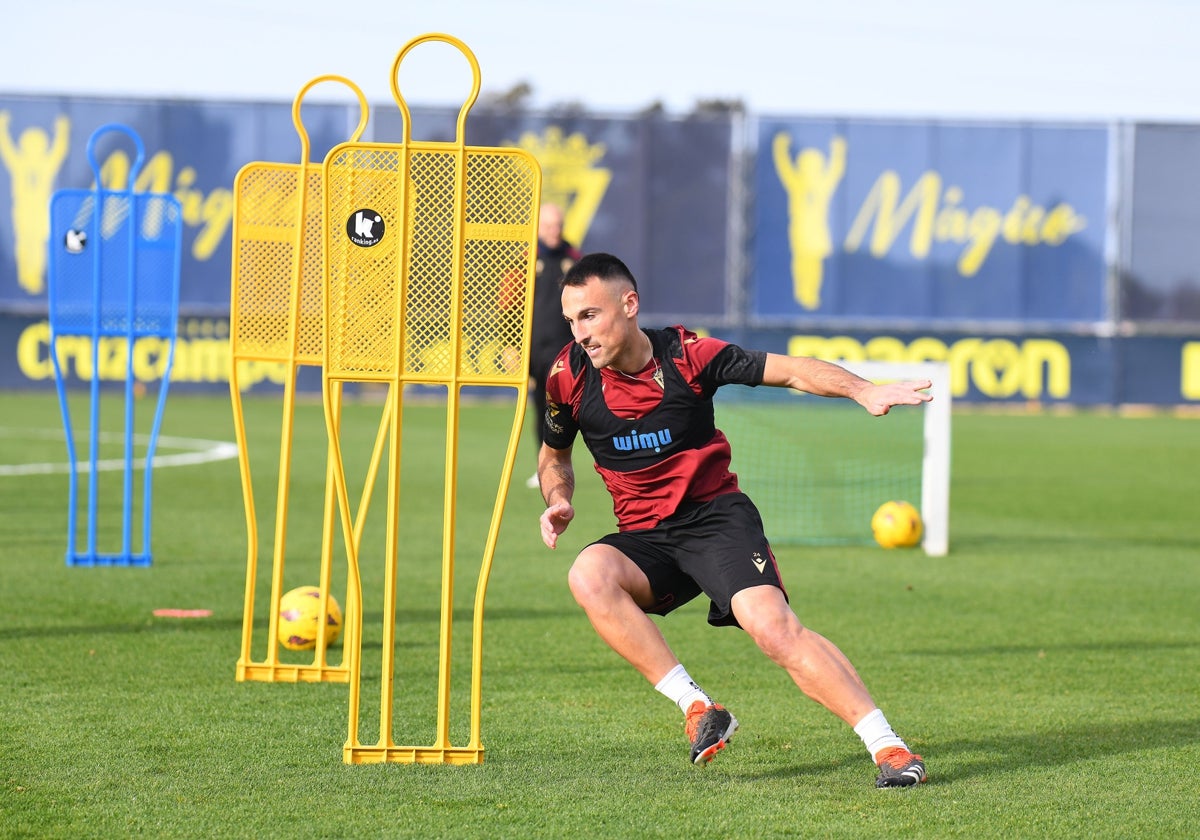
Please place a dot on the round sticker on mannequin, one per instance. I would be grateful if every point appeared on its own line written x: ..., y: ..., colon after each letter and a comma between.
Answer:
x: 74, y: 240
x: 365, y: 228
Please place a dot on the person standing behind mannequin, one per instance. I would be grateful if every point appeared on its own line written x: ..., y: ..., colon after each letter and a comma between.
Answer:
x: 550, y: 333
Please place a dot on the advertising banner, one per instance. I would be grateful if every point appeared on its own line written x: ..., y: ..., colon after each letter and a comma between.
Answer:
x: 1161, y: 281
x: 652, y: 191
x: 1038, y: 369
x: 1041, y: 369
x: 929, y: 222
x: 193, y: 151
x: 997, y: 246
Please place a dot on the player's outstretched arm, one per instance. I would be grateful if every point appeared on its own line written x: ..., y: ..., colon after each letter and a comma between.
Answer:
x: 825, y: 379
x: 556, y: 476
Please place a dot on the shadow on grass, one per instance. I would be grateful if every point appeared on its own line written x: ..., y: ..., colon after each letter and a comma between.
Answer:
x: 1016, y: 544
x: 1035, y: 649
x: 961, y: 759
x: 970, y: 757
x: 151, y: 625
x: 207, y: 624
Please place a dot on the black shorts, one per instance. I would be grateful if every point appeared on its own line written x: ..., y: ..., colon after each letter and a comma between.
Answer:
x: 717, y: 548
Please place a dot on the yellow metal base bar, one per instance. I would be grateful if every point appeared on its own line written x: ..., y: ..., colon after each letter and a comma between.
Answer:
x: 259, y: 672
x: 411, y: 755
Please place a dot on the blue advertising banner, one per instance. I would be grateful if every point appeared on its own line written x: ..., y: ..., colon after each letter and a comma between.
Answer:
x: 653, y: 191
x: 201, y: 364
x: 1044, y: 369
x: 1048, y: 368
x: 193, y: 151
x: 992, y: 245
x: 929, y: 222
x: 1040, y: 369
x: 1161, y: 277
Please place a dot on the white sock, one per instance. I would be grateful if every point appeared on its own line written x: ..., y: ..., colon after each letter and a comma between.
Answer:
x: 681, y: 688
x: 877, y: 734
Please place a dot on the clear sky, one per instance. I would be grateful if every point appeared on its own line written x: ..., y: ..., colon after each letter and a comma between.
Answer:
x: 1037, y: 59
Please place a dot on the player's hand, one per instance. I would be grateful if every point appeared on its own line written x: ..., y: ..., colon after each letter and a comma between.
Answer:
x: 554, y: 521
x: 878, y: 399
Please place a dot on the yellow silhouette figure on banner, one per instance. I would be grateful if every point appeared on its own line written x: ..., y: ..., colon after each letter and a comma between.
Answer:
x: 810, y: 182
x: 33, y: 162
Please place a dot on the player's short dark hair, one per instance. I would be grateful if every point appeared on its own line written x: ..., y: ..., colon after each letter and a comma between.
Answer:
x: 604, y: 266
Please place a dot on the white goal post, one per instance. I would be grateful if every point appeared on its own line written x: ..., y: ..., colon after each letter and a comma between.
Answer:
x: 935, y: 463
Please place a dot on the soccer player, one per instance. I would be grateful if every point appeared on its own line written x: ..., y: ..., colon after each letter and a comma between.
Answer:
x: 642, y: 399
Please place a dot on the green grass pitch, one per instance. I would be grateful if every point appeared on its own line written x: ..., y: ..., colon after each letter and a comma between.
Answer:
x: 1048, y: 668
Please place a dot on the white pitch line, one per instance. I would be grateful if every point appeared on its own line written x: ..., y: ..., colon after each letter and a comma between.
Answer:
x: 200, y: 451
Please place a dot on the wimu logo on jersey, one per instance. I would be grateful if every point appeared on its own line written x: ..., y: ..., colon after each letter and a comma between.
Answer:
x: 645, y: 440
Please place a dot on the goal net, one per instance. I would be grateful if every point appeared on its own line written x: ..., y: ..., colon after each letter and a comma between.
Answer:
x: 818, y: 468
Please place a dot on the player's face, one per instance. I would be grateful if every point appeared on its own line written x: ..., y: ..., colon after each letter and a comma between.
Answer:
x: 603, y: 317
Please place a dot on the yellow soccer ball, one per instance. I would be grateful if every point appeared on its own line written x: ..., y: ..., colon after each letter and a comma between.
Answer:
x: 300, y: 617
x: 897, y: 525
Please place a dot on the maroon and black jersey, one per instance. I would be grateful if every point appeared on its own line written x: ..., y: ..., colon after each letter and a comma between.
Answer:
x: 652, y: 433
